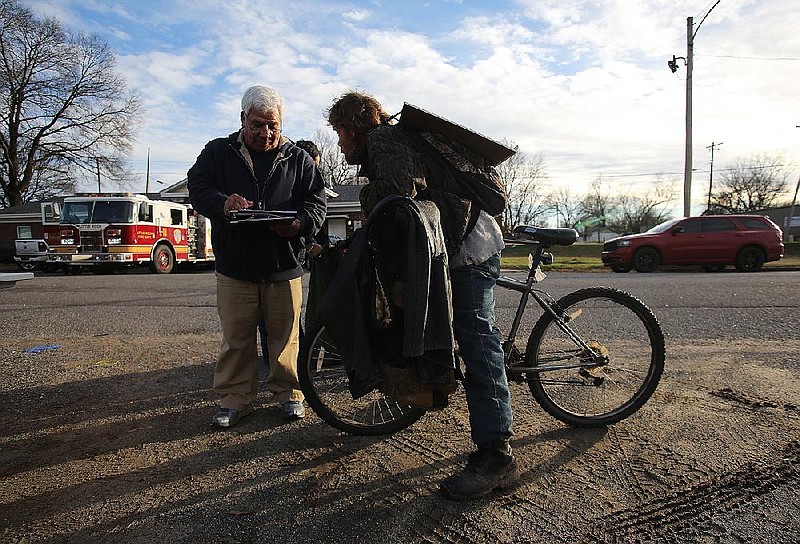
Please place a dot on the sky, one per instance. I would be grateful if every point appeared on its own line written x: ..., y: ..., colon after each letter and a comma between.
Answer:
x: 583, y: 83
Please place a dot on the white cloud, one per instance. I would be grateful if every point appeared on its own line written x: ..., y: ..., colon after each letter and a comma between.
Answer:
x: 357, y: 15
x: 584, y: 82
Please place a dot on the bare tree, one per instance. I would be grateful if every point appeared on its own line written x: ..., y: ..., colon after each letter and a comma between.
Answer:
x: 640, y: 211
x: 523, y: 177
x: 755, y: 183
x: 332, y: 164
x: 566, y: 206
x: 594, y: 208
x: 64, y: 110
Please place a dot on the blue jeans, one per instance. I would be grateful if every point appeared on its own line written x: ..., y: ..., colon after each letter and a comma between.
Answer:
x: 479, y: 343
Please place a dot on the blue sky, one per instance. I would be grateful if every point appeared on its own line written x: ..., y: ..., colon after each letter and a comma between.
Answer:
x: 584, y: 83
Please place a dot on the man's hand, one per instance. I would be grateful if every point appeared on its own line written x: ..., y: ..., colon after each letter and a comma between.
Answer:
x: 287, y: 230
x: 235, y: 202
x: 314, y: 250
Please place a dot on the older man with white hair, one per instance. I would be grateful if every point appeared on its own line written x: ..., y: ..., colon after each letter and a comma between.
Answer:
x: 258, y: 264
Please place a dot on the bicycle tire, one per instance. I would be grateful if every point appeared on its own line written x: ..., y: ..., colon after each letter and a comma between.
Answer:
x: 604, y: 395
x: 324, y: 382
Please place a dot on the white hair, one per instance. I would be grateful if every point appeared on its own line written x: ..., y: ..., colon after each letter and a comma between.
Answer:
x: 262, y: 98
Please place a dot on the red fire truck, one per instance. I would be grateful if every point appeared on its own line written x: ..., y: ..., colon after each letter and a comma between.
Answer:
x: 113, y: 231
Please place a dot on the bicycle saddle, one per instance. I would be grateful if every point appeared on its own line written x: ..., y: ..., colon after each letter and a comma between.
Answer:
x: 558, y: 237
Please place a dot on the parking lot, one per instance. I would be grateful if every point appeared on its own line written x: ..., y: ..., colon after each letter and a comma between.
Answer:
x: 105, y: 436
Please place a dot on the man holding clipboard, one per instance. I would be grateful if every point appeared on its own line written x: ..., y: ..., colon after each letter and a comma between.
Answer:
x: 264, y: 196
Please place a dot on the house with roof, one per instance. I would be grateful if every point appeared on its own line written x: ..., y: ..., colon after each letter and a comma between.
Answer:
x: 19, y: 223
x: 787, y: 218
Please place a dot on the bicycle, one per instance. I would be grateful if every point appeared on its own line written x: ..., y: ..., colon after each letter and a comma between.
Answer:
x: 593, y: 358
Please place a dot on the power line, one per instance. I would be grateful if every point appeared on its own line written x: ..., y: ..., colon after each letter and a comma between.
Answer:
x: 705, y: 9
x: 704, y: 17
x: 562, y: 173
x: 795, y: 59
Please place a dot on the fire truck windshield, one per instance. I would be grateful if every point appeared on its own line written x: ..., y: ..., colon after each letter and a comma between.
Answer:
x: 98, y: 211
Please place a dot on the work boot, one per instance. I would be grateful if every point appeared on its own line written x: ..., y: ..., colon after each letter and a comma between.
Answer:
x: 486, y: 471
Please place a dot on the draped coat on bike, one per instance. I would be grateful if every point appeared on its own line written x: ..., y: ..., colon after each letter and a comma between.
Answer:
x: 390, y: 301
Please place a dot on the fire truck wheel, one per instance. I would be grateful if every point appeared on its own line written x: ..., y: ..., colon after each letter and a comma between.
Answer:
x: 163, y: 259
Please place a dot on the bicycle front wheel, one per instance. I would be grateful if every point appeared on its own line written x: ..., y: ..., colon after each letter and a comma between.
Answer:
x: 324, y: 382
x: 611, y: 380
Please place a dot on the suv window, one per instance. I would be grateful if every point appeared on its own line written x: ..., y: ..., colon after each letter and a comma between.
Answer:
x: 691, y: 226
x: 718, y: 224
x: 753, y: 223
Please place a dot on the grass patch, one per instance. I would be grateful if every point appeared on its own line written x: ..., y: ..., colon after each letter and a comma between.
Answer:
x: 585, y: 257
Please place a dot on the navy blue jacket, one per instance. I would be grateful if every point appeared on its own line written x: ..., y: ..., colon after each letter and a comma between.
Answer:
x: 253, y: 251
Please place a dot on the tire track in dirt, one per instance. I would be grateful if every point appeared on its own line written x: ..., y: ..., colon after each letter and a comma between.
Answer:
x: 448, y: 521
x: 750, y: 401
x: 540, y: 520
x: 623, y: 470
x: 654, y: 467
x: 690, y: 509
x: 409, y: 446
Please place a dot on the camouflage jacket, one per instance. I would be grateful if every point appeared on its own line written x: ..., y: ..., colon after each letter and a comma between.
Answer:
x: 395, y: 165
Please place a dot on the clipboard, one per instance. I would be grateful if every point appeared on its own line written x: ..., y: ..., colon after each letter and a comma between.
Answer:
x: 262, y: 216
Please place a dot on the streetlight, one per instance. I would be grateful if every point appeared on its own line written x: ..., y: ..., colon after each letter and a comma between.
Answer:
x: 673, y: 65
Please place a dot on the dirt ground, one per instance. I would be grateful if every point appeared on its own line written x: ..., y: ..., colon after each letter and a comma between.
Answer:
x: 106, y: 438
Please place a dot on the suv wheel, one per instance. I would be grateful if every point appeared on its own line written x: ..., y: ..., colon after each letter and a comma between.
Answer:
x: 750, y: 259
x: 646, y: 259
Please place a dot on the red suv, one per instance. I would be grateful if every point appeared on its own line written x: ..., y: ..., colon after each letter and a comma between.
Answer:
x: 714, y: 241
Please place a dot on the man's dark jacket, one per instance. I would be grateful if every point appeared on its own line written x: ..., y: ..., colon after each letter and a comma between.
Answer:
x: 253, y: 251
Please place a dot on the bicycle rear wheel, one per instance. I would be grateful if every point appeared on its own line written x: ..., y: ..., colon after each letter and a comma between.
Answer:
x: 323, y: 380
x: 612, y: 323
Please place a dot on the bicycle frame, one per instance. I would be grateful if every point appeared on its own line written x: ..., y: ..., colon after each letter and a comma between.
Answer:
x: 512, y: 355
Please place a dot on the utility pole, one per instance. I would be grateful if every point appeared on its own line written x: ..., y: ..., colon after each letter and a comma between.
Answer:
x: 687, y: 161
x: 691, y: 32
x: 147, y: 176
x: 97, y: 163
x: 711, y: 172
x: 786, y: 235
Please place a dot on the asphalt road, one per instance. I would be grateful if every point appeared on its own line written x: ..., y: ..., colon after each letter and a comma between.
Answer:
x: 106, y: 439
x: 699, y: 305
x: 690, y: 305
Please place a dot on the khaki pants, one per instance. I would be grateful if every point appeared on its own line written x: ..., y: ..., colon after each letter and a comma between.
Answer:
x: 240, y: 305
